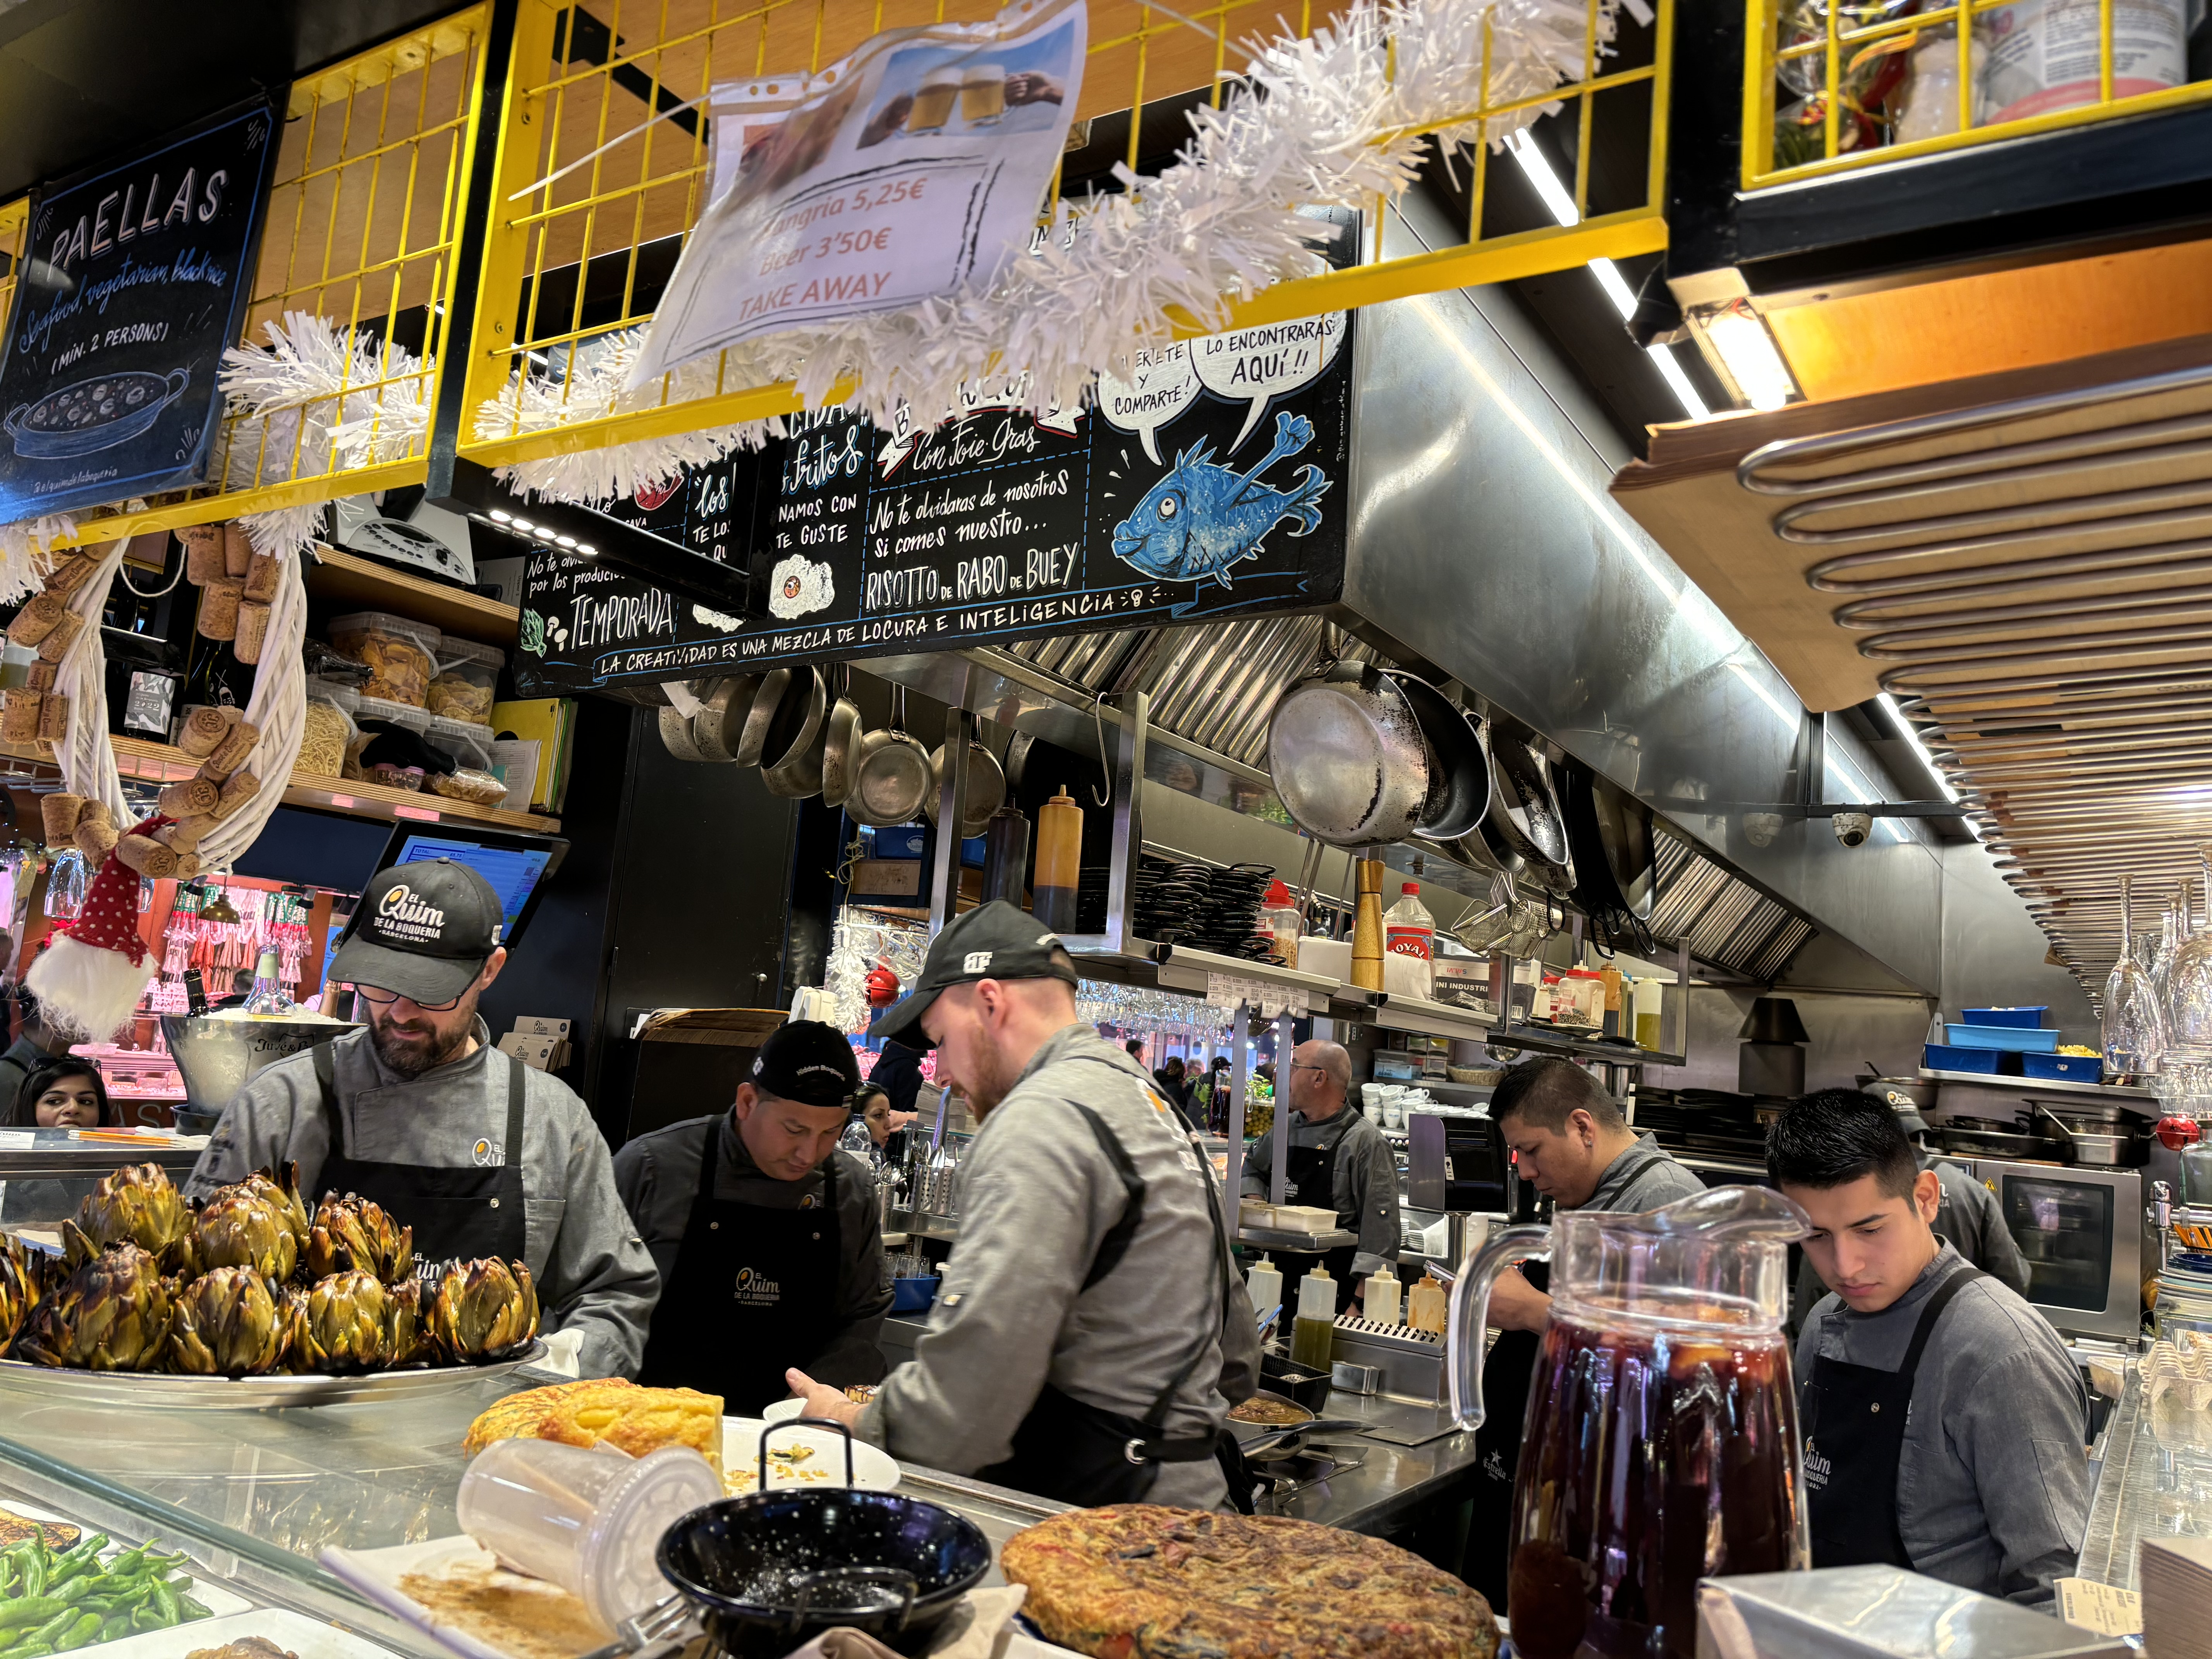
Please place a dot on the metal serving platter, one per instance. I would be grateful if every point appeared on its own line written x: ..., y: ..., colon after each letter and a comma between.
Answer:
x: 152, y: 1391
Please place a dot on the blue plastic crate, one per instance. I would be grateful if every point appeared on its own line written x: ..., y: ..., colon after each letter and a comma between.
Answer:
x: 2071, y: 1068
x: 1992, y: 1061
x: 913, y: 1294
x: 2021, y: 1039
x: 2030, y: 1018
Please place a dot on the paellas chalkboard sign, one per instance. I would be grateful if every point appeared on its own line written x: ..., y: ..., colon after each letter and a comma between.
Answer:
x: 1211, y: 485
x: 135, y: 279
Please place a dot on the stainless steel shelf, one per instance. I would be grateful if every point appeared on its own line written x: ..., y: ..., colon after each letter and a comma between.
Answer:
x: 2039, y: 1085
x: 1271, y: 1238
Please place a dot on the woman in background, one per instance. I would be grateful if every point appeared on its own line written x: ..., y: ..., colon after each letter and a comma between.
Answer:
x: 65, y: 1094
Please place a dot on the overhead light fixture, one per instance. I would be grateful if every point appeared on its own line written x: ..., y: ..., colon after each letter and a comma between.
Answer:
x: 566, y: 541
x: 1561, y: 206
x: 587, y: 551
x: 499, y: 516
x: 1740, y: 339
x: 525, y: 526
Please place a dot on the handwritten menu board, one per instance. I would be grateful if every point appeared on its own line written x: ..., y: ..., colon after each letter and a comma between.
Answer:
x: 1211, y: 485
x: 134, y: 280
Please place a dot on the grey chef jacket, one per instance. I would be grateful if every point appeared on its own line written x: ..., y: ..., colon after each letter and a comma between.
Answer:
x: 1642, y: 1177
x: 658, y: 1176
x: 1364, y: 1182
x: 1038, y: 1194
x: 591, y: 1269
x: 1992, y: 1483
x: 1966, y: 1213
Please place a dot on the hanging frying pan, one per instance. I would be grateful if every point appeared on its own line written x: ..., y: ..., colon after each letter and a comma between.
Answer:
x: 890, y: 777
x: 1611, y: 919
x: 1347, y: 754
x: 676, y: 736
x: 986, y: 788
x: 1459, y: 762
x: 722, y: 715
x: 1624, y: 825
x: 1525, y: 810
x: 840, y: 743
x: 787, y: 717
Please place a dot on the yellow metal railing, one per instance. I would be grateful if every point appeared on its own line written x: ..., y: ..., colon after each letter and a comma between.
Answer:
x: 1831, y: 85
x: 594, y: 196
x: 361, y: 230
x: 14, y: 216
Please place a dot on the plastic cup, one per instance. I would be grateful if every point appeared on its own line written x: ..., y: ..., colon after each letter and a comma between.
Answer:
x: 588, y: 1519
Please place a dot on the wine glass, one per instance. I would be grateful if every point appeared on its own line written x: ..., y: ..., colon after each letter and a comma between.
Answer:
x: 2188, y: 992
x: 2135, y: 1025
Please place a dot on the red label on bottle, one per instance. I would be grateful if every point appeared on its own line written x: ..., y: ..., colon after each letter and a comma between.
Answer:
x: 1411, y: 942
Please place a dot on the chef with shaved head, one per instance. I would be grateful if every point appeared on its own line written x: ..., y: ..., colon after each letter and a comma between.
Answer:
x: 1338, y: 1161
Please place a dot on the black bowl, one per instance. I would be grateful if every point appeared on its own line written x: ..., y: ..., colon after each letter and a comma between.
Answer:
x: 770, y: 1571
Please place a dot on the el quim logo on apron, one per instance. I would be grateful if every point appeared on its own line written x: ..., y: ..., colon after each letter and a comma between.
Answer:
x: 757, y: 1289
x: 487, y: 1153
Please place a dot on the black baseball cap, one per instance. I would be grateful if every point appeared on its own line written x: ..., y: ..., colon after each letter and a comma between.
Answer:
x: 992, y: 941
x: 422, y: 930
x: 808, y: 1062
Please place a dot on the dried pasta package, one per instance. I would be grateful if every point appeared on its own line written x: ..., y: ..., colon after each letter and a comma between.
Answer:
x: 477, y: 789
x: 468, y: 681
x: 400, y: 655
x: 325, y: 736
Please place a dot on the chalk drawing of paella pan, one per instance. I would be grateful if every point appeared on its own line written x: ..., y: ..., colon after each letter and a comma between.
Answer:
x: 92, y: 415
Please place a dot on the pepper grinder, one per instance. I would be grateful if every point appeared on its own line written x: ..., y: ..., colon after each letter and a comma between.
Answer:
x: 1367, y: 927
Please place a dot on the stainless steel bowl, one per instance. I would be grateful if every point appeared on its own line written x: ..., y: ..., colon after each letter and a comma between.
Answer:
x: 218, y: 1057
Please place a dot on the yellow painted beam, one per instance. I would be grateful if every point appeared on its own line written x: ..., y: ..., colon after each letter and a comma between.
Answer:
x: 206, y: 509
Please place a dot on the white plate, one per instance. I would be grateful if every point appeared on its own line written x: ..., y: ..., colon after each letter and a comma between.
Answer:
x: 219, y: 1601
x: 873, y: 1470
x: 376, y: 1574
x: 163, y: 1391
x: 310, y: 1638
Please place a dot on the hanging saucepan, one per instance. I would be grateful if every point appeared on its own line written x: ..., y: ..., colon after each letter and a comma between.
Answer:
x: 724, y: 707
x: 1345, y: 751
x: 676, y: 736
x: 986, y: 788
x: 840, y: 743
x: 1624, y: 825
x: 789, y: 716
x: 798, y: 776
x: 1459, y: 762
x: 1526, y: 811
x: 891, y: 777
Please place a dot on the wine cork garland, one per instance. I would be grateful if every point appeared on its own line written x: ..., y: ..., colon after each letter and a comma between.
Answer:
x: 54, y: 717
x: 242, y: 788
x: 41, y: 614
x: 28, y: 716
x: 233, y: 751
x: 237, y: 551
x: 193, y: 798
x: 252, y: 632
x: 204, y: 561
x: 204, y: 728
x: 42, y: 675
x: 71, y: 573
x: 95, y: 838
x: 261, y: 578
x: 57, y: 815
x: 219, y: 603
x: 147, y: 856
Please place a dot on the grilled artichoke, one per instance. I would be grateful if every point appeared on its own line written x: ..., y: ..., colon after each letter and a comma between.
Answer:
x: 229, y: 1323
x: 485, y: 1310
x: 354, y: 1322
x: 22, y: 1281
x: 112, y: 1314
x: 351, y: 1234
x: 279, y: 1185
x: 240, y: 1228
x: 136, y: 1205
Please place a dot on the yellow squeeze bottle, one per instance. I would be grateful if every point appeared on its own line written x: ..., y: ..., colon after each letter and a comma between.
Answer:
x: 1313, y: 1333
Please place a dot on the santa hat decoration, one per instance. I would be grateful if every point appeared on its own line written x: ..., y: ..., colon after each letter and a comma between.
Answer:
x: 95, y: 973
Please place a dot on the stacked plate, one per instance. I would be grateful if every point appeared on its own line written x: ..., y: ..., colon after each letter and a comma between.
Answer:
x: 1208, y: 908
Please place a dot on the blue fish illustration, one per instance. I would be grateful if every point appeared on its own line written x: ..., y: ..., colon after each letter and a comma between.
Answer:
x: 1203, y: 517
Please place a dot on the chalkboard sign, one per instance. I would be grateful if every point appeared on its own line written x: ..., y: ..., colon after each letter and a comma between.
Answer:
x: 1210, y: 484
x: 134, y: 280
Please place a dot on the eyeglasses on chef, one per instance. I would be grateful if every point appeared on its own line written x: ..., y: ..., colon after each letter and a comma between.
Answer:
x: 384, y: 998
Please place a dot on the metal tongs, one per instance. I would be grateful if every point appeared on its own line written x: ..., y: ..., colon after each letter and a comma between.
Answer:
x: 665, y: 1627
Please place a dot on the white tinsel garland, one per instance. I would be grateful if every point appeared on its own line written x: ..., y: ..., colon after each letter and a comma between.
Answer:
x: 1321, y: 121
x: 27, y: 550
x: 362, y: 401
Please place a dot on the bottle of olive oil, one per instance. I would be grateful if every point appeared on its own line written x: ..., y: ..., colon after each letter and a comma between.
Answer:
x: 1313, y: 1333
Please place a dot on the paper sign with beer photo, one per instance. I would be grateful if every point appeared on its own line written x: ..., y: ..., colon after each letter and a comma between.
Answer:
x: 908, y: 170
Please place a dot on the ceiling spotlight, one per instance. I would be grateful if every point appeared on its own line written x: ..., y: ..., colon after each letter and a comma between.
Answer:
x: 525, y: 526
x: 566, y: 541
x: 588, y: 549
x: 499, y: 517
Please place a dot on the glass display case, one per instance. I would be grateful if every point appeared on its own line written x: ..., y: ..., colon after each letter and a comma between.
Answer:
x: 256, y: 1496
x: 46, y: 1173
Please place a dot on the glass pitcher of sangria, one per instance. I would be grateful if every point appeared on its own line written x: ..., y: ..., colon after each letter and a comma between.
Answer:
x: 1661, y: 1443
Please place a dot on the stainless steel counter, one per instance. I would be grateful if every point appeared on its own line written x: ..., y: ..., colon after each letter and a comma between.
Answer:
x: 2154, y: 1481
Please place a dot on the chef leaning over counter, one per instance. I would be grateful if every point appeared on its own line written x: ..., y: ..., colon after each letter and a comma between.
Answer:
x: 483, y: 1155
x: 1943, y: 1421
x: 1088, y: 1301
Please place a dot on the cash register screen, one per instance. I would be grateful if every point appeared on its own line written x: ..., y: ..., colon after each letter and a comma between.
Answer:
x: 516, y: 866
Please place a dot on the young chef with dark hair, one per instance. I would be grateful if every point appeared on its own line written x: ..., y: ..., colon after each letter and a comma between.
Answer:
x: 1076, y: 1350
x: 1571, y: 1142
x: 481, y: 1155
x: 1943, y: 1421
x: 770, y: 1250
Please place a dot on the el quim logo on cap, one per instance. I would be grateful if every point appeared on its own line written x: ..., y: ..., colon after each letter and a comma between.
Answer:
x: 402, y: 912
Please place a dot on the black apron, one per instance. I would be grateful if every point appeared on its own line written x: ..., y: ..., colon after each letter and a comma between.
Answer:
x: 1854, y: 1419
x: 1084, y: 1454
x: 458, y: 1214
x: 1312, y: 1170
x: 754, y: 1292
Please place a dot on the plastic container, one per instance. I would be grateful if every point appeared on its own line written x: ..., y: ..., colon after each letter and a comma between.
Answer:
x: 1646, y: 999
x: 400, y: 653
x: 466, y: 682
x: 1313, y: 1333
x: 469, y: 744
x: 344, y: 693
x: 1426, y: 1305
x: 1263, y: 1282
x: 398, y: 714
x: 1279, y: 920
x: 1937, y: 1057
x: 2019, y: 1039
x: 1409, y: 931
x: 2070, y: 1068
x: 913, y: 1294
x: 1380, y: 1304
x: 1059, y: 862
x: 588, y: 1519
x: 2028, y: 1019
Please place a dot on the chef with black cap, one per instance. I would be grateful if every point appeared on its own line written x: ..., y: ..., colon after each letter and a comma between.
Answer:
x: 480, y: 1154
x: 769, y: 1251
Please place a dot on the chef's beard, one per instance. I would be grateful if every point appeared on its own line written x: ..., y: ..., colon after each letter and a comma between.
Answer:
x: 411, y: 1052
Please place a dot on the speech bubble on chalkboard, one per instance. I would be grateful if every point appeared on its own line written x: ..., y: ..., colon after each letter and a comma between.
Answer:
x: 1262, y: 364
x: 1160, y: 386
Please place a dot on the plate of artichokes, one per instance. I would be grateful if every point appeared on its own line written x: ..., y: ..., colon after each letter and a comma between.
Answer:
x: 245, y: 1302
